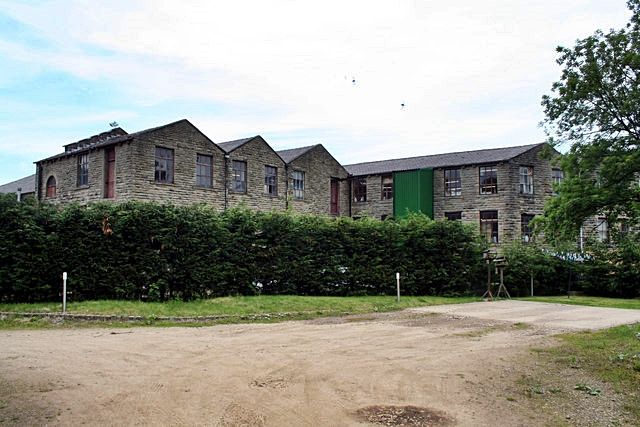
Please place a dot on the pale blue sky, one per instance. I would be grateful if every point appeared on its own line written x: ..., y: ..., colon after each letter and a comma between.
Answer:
x: 470, y: 73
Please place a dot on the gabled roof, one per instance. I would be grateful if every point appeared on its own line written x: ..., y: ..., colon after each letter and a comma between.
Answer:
x: 95, y: 139
x: 115, y: 138
x: 229, y: 146
x: 492, y: 155
x: 293, y: 153
x: 27, y: 185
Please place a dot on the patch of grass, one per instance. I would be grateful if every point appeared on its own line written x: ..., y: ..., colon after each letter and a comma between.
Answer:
x: 589, y: 301
x: 520, y: 326
x: 236, y: 309
x: 611, y: 355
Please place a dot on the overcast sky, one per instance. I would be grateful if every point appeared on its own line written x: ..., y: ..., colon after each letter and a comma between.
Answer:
x: 470, y: 73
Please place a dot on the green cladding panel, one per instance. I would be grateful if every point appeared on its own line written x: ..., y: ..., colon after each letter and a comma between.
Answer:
x: 413, y: 192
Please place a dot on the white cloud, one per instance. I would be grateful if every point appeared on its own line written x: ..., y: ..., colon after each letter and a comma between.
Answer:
x: 296, y: 61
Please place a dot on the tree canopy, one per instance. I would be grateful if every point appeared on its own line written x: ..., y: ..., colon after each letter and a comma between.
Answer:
x: 595, y: 107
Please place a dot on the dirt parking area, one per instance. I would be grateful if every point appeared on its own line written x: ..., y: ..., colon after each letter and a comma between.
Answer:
x: 449, y: 365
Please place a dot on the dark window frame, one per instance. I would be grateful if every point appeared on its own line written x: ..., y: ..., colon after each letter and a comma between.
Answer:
x: 360, y: 189
x: 489, y: 225
x: 204, y: 170
x: 164, y: 165
x: 488, y: 179
x: 297, y: 183
x: 271, y: 180
x: 557, y: 177
x: 239, y: 176
x: 453, y: 187
x: 386, y: 187
x: 453, y: 216
x: 82, y: 178
x: 525, y: 180
x: 526, y: 231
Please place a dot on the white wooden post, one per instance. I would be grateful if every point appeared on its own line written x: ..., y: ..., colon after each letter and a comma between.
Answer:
x: 64, y: 292
x: 398, y: 286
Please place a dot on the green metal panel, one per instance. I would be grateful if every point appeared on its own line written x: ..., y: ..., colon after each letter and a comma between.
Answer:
x: 413, y: 192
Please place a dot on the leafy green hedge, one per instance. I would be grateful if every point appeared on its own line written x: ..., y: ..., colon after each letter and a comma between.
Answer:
x: 604, y: 270
x: 158, y: 252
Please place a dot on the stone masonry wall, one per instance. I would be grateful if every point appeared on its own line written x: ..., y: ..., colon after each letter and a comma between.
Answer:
x: 257, y: 154
x: 319, y: 168
x: 135, y: 168
x: 509, y: 203
x: 374, y: 207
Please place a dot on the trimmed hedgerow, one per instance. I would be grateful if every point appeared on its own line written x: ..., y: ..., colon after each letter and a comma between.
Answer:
x: 157, y: 252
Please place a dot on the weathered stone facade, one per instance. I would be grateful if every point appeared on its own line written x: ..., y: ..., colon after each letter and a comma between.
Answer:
x: 257, y: 154
x: 375, y: 206
x: 135, y: 179
x: 135, y: 169
x: 319, y: 168
x: 508, y: 201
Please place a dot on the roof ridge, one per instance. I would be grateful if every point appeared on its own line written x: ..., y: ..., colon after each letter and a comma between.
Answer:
x: 444, y: 154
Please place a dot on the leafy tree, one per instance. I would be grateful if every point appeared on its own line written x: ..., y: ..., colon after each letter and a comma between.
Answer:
x: 595, y: 106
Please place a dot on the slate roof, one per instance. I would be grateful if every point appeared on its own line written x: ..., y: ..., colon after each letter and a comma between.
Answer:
x: 291, y: 154
x: 229, y: 146
x: 108, y: 140
x: 28, y: 185
x: 493, y: 155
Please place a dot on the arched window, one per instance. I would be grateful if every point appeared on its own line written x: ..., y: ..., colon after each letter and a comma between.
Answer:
x: 51, y: 186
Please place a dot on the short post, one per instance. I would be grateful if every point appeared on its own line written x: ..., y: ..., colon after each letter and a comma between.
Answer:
x: 398, y: 286
x: 531, y: 283
x: 64, y: 292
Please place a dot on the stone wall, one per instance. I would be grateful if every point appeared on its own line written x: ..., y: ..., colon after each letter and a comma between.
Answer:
x: 135, y: 170
x: 135, y: 167
x: 509, y: 203
x: 257, y: 154
x: 374, y: 207
x: 319, y: 169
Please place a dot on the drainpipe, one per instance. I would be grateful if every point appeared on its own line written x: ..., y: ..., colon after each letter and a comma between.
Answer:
x: 226, y: 181
x: 38, y: 179
x: 286, y: 187
x: 350, y: 195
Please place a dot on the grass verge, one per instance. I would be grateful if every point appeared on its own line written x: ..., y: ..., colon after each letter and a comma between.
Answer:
x: 590, y: 301
x: 590, y: 378
x: 241, y: 309
x: 613, y: 356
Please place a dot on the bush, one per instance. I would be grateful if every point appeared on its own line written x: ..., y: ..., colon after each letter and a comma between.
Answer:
x: 150, y: 251
x: 553, y: 271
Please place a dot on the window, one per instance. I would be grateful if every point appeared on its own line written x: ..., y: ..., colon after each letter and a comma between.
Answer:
x: 624, y: 228
x: 387, y: 187
x: 360, y: 189
x: 239, y: 176
x: 164, y: 165
x: 204, y: 170
x: 525, y: 227
x: 271, y: 180
x: 557, y: 176
x: 83, y: 170
x: 298, y: 184
x: 489, y: 225
x: 488, y: 179
x: 452, y: 182
x: 603, y: 230
x: 51, y: 186
x: 526, y: 180
x: 453, y: 216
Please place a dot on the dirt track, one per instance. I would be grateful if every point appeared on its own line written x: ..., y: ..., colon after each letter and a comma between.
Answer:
x: 332, y: 371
